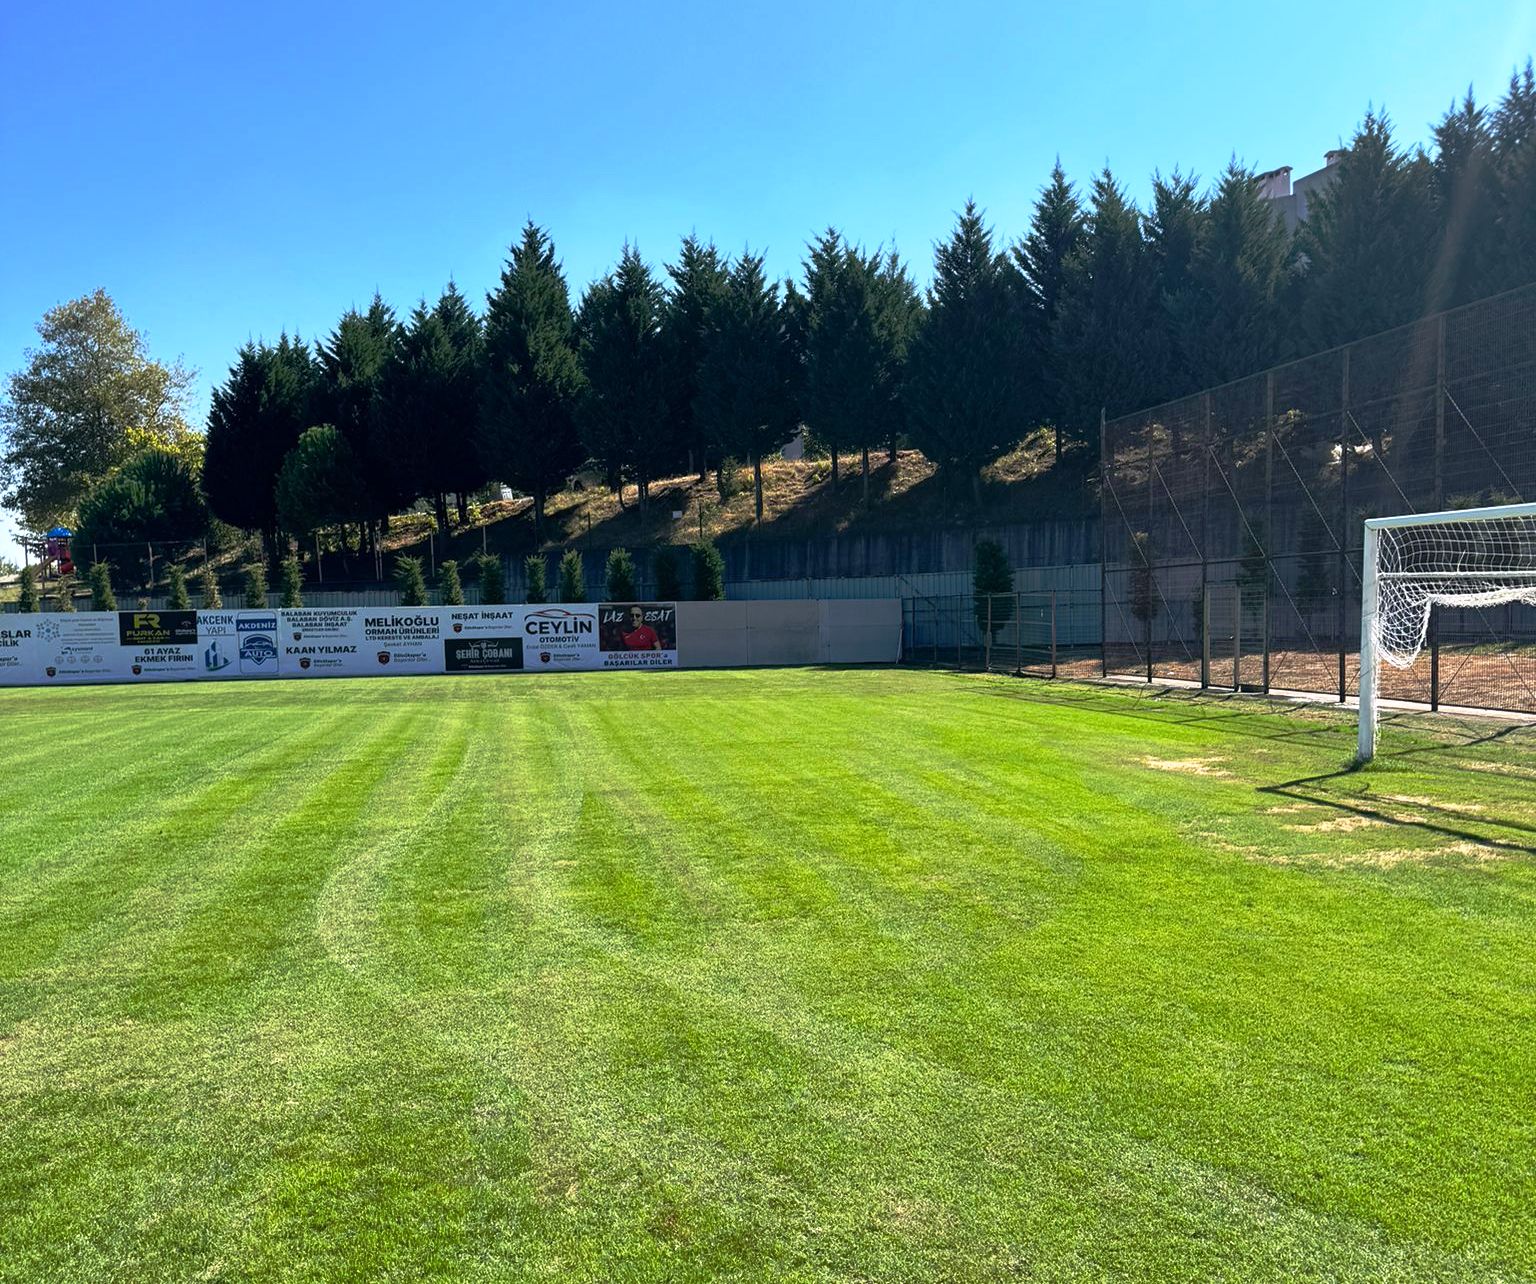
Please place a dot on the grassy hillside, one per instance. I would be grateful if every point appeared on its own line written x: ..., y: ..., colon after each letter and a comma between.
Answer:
x: 869, y: 975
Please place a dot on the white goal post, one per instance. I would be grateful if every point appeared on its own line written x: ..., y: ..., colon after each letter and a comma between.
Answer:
x: 1470, y: 557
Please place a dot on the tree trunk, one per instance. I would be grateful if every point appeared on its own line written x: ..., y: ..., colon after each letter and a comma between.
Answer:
x: 440, y: 502
x: 538, y: 518
x: 1056, y: 430
x: 619, y: 489
x: 757, y: 483
x: 976, y: 487
x: 866, y: 476
x: 891, y: 456
x: 463, y: 508
x: 834, y: 467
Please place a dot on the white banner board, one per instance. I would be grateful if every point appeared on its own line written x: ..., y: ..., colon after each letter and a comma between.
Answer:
x: 319, y: 642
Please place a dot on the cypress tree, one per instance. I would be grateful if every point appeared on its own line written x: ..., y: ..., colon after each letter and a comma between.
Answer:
x: 532, y: 378
x: 1174, y: 228
x: 573, y: 580
x: 1043, y: 258
x: 708, y: 573
x: 992, y: 581
x: 256, y: 587
x: 208, y: 588
x: 620, y: 575
x: 1514, y: 157
x: 292, y: 584
x: 967, y: 403
x: 536, y: 575
x: 102, y: 597
x: 28, y: 600
x: 64, y: 593
x: 410, y: 581
x: 176, y: 589
x: 493, y: 580
x: 1464, y: 199
x: 450, y: 591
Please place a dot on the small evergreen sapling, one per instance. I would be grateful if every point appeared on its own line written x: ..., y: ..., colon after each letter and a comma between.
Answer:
x: 29, y: 600
x: 292, y: 584
x: 493, y: 581
x: 708, y: 573
x: 176, y: 589
x: 621, y: 576
x: 410, y: 581
x: 450, y: 591
x: 669, y: 580
x: 573, y: 578
x: 64, y: 592
x: 208, y: 588
x: 102, y: 597
x: 536, y: 572
x: 256, y: 587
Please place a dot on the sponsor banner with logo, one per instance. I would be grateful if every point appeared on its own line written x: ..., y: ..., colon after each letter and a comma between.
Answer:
x: 637, y: 635
x: 313, y: 642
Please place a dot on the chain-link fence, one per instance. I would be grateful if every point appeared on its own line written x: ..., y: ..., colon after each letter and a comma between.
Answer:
x: 1045, y: 633
x: 1233, y: 519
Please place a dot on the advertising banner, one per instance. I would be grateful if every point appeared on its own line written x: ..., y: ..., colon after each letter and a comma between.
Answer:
x: 637, y: 635
x: 315, y: 642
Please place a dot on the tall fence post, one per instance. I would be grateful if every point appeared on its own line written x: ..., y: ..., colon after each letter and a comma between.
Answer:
x: 1269, y: 513
x: 1344, y: 569
x: 1105, y: 468
x: 1053, y: 633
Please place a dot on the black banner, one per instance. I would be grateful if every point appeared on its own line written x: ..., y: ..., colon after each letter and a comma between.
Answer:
x: 482, y: 655
x: 156, y: 628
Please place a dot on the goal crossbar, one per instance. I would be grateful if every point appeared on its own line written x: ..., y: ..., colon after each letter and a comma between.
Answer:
x: 1466, y: 558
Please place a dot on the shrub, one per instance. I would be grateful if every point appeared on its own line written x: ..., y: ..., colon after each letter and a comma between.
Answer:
x: 292, y: 584
x: 255, y: 587
x: 573, y: 578
x: 669, y: 580
x: 728, y: 483
x: 29, y: 599
x: 64, y: 593
x: 102, y: 597
x: 620, y: 576
x: 536, y: 571
x: 493, y: 581
x: 410, y: 581
x: 208, y: 588
x: 708, y: 573
x: 176, y: 589
x: 450, y: 591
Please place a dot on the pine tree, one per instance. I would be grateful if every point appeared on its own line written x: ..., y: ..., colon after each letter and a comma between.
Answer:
x: 176, y: 589
x: 352, y: 363
x: 28, y: 599
x: 1108, y: 313
x: 669, y: 580
x: 708, y: 573
x: 1464, y: 197
x: 532, y: 376
x: 429, y: 397
x: 747, y: 380
x: 536, y: 577
x: 208, y: 589
x: 493, y: 580
x: 450, y: 590
x: 1514, y: 155
x: 1043, y: 258
x: 573, y: 578
x: 1175, y: 227
x: 968, y: 400
x: 698, y: 279
x: 620, y: 575
x: 292, y: 584
x: 257, y: 416
x: 64, y: 593
x: 1367, y: 242
x: 1229, y: 320
x: 256, y: 587
x: 623, y: 411
x: 898, y: 318
x: 410, y: 582
x: 102, y: 597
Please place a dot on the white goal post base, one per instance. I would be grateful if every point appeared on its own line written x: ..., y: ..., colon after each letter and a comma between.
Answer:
x: 1465, y: 558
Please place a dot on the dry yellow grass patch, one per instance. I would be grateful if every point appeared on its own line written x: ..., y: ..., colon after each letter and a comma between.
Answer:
x: 1188, y: 766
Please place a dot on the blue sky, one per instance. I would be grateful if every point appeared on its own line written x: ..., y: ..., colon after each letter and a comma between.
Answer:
x: 226, y: 171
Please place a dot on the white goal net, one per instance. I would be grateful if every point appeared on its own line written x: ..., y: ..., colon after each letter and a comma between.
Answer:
x: 1480, y: 557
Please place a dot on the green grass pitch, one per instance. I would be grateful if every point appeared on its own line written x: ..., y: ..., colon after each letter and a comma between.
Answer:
x: 813, y: 975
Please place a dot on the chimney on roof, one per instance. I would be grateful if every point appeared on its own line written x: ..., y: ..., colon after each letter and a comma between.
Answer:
x: 1333, y: 156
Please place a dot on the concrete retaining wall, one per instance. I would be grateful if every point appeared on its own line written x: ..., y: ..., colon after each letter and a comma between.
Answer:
x: 717, y: 635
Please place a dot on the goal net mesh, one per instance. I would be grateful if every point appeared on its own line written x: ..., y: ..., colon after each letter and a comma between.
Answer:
x: 1469, y: 564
